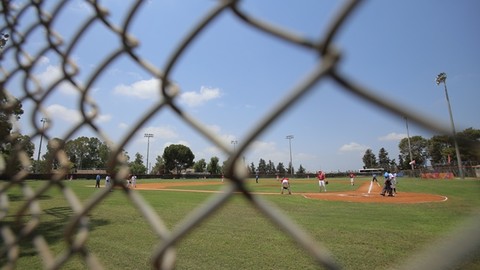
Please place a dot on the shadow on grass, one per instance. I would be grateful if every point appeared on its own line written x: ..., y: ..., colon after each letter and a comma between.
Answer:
x: 52, y: 230
x: 18, y: 197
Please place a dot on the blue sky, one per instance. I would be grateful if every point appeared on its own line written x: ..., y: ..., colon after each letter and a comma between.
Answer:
x: 233, y: 75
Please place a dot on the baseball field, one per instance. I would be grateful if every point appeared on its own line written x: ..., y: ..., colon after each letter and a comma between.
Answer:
x: 361, y: 230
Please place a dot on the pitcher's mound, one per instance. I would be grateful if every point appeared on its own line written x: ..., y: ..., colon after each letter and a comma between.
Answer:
x: 362, y: 195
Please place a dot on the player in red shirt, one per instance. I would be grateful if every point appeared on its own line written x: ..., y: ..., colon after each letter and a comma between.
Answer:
x: 321, y: 181
x: 352, y: 179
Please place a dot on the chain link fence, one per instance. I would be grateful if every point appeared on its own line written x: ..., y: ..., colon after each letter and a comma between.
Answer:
x: 16, y: 34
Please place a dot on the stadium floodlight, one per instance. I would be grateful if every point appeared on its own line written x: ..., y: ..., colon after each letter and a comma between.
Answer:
x: 442, y: 78
x: 148, y: 136
x: 4, y: 37
x: 289, y: 138
x: 43, y: 120
x: 412, y: 162
x: 234, y: 142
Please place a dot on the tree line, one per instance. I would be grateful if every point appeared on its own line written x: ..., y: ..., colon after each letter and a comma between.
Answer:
x: 91, y: 153
x: 439, y: 150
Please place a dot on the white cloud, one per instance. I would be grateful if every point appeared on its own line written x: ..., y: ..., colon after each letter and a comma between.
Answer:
x: 258, y: 149
x: 213, y: 150
x: 148, y: 89
x: 194, y: 99
x: 267, y: 151
x: 65, y: 114
x: 52, y: 74
x: 80, y: 8
x: 165, y: 132
x: 353, y: 147
x: 209, y: 152
x: 143, y: 89
x: 103, y: 118
x: 393, y: 137
x: 262, y: 147
x: 43, y: 60
x: 120, y: 73
x: 123, y: 125
x: 72, y: 116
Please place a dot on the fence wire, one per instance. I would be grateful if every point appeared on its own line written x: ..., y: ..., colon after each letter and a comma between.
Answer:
x: 16, y: 33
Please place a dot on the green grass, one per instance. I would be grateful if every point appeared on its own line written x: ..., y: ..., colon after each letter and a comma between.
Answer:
x: 360, y: 235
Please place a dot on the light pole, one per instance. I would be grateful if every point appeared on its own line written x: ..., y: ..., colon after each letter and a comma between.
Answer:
x: 409, y: 146
x: 148, y: 136
x: 43, y: 120
x: 289, y: 138
x: 234, y: 143
x: 442, y: 78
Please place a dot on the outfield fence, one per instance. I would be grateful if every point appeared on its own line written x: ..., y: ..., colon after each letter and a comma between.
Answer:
x: 24, y: 19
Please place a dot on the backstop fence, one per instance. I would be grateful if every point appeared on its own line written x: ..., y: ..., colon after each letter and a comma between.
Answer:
x: 20, y: 20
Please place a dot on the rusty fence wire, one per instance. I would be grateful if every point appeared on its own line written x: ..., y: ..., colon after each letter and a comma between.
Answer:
x: 16, y: 34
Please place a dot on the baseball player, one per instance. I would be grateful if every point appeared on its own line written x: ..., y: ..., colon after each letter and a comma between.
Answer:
x: 286, y: 185
x: 321, y: 181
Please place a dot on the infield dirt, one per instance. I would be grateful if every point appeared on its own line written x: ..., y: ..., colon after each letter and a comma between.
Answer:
x: 360, y: 195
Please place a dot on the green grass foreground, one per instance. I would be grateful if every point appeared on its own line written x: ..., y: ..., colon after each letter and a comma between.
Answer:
x: 359, y: 235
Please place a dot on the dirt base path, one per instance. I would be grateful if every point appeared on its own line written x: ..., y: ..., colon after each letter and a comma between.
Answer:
x: 361, y: 194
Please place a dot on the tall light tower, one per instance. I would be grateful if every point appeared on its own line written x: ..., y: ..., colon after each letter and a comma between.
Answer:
x: 442, y: 78
x: 148, y: 136
x: 409, y: 145
x: 234, y: 143
x: 289, y: 138
x: 43, y: 120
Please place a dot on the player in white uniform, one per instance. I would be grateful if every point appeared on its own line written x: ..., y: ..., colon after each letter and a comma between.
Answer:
x: 286, y: 185
x: 134, y: 181
x: 394, y: 184
x: 107, y: 181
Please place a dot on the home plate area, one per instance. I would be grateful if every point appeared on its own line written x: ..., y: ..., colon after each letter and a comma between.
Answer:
x: 362, y: 195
